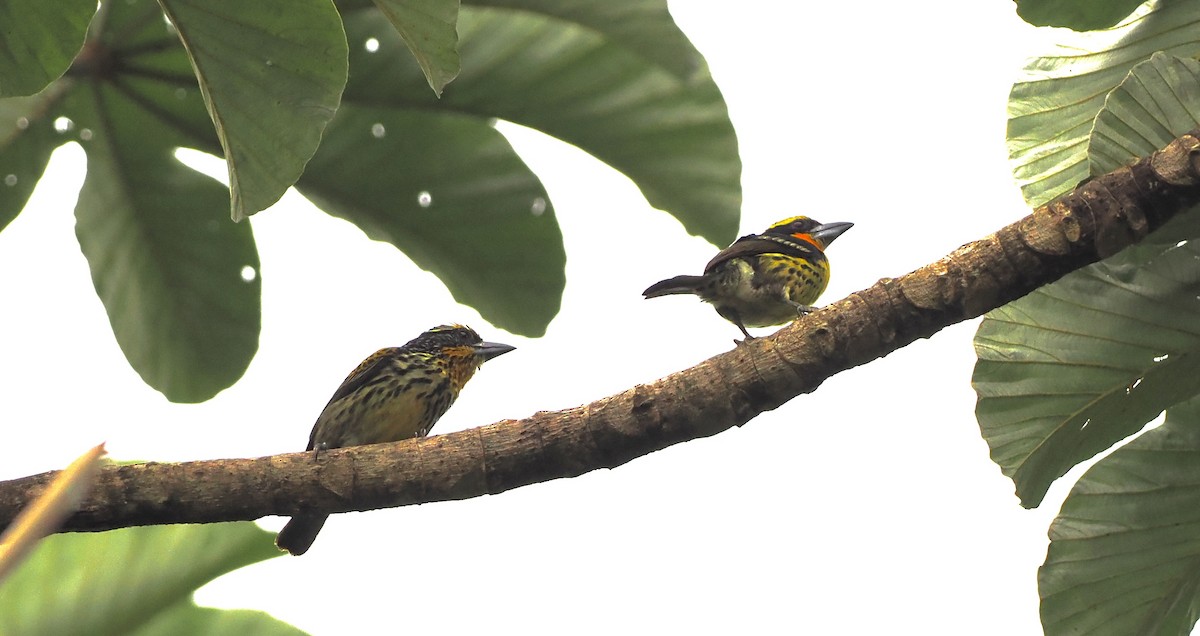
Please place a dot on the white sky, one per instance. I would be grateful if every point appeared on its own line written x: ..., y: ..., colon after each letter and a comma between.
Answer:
x: 869, y: 506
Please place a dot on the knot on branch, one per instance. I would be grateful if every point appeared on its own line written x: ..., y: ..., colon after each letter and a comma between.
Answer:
x: 1178, y: 164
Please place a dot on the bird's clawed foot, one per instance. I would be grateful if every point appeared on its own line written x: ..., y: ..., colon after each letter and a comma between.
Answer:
x: 802, y: 310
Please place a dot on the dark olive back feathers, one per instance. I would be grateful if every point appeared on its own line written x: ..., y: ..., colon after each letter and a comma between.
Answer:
x: 776, y: 239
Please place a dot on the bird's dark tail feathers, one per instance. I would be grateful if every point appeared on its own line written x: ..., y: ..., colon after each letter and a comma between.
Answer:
x: 299, y: 533
x: 678, y: 285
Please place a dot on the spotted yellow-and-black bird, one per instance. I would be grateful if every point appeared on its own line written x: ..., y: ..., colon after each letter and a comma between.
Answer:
x: 763, y: 279
x: 395, y: 394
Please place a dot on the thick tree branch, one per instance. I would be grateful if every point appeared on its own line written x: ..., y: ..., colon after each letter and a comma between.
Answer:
x: 1096, y: 220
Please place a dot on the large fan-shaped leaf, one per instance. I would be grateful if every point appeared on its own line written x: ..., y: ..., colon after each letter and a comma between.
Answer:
x: 616, y: 78
x: 1158, y: 101
x: 1080, y: 15
x: 38, y: 40
x: 430, y: 29
x: 136, y: 581
x: 167, y: 266
x: 611, y: 92
x: 1072, y: 368
x: 611, y: 95
x: 1051, y: 109
x: 1124, y: 552
x: 451, y: 193
x: 141, y: 56
x: 271, y: 74
x: 1069, y: 370
x: 178, y: 280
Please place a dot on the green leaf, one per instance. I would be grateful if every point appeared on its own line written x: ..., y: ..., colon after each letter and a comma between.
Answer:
x: 136, y: 581
x: 165, y: 261
x: 643, y: 27
x: 601, y: 86
x: 198, y: 621
x: 429, y: 28
x: 27, y: 137
x: 38, y: 40
x: 1080, y: 15
x: 271, y: 74
x: 1124, y: 553
x: 1069, y: 370
x: 1158, y: 101
x: 597, y: 74
x: 589, y: 74
x: 465, y: 207
x: 178, y: 280
x: 1052, y: 108
x: 1076, y: 366
x: 139, y: 55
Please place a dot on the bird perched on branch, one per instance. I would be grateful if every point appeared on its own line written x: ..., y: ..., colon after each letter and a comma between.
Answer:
x: 395, y: 394
x: 763, y: 279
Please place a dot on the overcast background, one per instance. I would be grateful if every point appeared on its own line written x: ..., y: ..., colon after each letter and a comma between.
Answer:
x: 869, y: 506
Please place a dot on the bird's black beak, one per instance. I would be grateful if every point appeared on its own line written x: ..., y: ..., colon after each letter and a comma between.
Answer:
x: 826, y: 232
x: 489, y: 350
